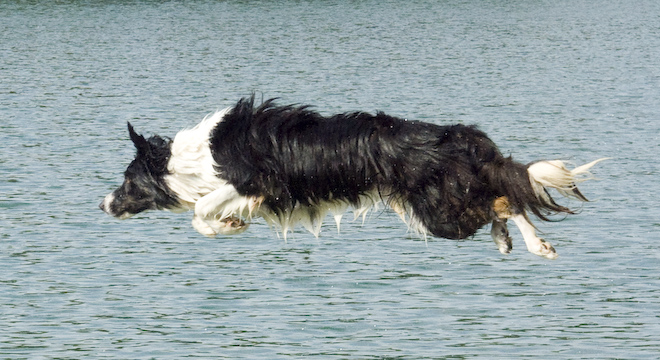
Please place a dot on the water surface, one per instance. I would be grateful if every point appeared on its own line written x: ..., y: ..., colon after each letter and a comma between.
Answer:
x: 562, y: 79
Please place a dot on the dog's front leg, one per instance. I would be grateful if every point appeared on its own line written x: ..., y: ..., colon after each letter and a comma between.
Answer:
x: 203, y: 227
x: 214, y: 213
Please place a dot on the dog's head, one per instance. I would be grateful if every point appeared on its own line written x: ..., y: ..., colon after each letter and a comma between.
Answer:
x: 144, y: 186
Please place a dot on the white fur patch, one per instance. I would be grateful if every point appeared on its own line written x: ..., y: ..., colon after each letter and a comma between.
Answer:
x: 192, y: 175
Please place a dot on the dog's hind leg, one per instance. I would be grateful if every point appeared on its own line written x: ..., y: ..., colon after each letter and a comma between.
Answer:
x: 499, y: 230
x: 500, y: 234
x: 535, y: 244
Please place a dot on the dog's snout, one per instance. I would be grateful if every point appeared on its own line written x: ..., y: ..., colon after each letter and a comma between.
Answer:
x: 105, y: 204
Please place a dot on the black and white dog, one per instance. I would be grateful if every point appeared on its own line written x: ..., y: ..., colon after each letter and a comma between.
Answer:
x: 290, y: 165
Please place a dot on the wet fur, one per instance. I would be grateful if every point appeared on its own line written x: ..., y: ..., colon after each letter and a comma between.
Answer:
x: 290, y: 164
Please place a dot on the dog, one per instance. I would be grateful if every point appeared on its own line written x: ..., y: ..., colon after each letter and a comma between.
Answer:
x: 291, y: 165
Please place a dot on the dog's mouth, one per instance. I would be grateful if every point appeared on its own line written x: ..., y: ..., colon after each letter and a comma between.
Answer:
x: 124, y: 216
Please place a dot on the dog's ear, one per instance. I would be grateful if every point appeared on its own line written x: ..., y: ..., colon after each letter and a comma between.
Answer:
x: 141, y: 144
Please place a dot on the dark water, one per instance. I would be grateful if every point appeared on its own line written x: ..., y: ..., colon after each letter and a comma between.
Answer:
x: 576, y: 80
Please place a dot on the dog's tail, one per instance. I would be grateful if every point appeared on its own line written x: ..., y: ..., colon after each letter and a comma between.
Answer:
x: 554, y: 174
x: 527, y: 186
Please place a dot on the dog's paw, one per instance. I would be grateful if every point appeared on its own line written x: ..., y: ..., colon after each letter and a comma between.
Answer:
x: 228, y: 226
x: 501, y: 237
x: 231, y: 226
x: 546, y: 250
x: 504, y: 245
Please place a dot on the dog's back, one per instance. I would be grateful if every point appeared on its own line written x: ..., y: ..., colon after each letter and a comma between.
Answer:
x: 293, y: 156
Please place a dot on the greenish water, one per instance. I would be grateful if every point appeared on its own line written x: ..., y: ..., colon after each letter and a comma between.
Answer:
x: 563, y: 79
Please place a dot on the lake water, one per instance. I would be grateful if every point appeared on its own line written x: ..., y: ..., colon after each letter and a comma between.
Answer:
x: 575, y: 80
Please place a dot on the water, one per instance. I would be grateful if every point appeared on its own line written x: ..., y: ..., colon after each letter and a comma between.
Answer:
x: 576, y: 80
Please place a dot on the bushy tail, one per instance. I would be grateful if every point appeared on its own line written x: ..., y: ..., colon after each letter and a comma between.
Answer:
x: 554, y: 174
x: 526, y: 186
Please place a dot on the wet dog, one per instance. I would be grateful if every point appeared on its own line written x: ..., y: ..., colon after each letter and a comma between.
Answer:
x: 291, y: 165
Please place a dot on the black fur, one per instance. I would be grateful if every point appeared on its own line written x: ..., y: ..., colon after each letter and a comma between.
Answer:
x: 448, y: 176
